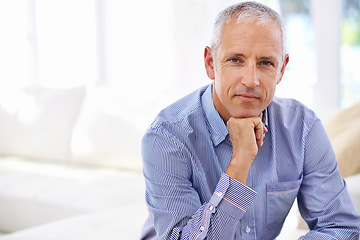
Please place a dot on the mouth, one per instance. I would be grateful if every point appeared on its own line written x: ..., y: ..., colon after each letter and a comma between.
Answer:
x: 247, y: 97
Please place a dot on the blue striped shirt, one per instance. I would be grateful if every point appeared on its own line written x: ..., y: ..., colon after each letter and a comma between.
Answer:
x: 187, y: 149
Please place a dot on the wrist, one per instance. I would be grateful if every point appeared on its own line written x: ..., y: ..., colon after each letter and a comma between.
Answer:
x: 238, y: 170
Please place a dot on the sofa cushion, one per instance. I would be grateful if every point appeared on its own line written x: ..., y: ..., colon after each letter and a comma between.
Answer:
x: 123, y: 222
x: 37, y: 122
x: 344, y: 134
x: 35, y: 192
x: 354, y: 190
x: 106, y: 132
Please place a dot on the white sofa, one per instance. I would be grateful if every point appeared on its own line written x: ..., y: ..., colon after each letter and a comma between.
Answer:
x: 70, y: 167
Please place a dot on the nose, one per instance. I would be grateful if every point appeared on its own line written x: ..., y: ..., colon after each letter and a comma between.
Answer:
x: 250, y: 76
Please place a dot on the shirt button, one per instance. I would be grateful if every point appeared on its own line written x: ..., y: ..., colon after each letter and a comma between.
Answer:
x: 202, y: 228
x: 247, y: 230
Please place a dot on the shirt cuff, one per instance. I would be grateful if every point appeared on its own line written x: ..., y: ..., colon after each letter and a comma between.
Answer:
x: 232, y: 196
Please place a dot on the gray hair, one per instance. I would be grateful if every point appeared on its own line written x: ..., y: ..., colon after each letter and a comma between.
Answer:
x: 246, y: 12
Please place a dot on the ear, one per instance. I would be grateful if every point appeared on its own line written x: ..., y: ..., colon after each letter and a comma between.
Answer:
x: 282, y: 71
x: 209, y: 63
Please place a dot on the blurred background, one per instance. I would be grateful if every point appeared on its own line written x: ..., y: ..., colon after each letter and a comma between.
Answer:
x: 81, y: 80
x: 151, y: 52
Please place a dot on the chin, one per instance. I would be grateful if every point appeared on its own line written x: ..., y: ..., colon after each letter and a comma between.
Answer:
x: 247, y: 114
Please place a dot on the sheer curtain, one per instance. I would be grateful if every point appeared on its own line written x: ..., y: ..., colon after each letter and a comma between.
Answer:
x: 17, y: 63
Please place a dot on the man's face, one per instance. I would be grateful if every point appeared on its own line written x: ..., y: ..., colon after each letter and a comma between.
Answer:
x: 249, y: 65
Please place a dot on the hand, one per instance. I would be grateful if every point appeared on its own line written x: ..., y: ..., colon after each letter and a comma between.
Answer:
x: 246, y: 135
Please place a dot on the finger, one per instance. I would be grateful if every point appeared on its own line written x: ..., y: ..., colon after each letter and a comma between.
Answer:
x: 259, y: 133
x: 261, y: 117
x: 265, y: 129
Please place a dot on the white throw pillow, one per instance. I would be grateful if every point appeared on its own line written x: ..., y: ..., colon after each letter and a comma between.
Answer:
x: 37, y: 122
x: 105, y: 133
x: 344, y: 133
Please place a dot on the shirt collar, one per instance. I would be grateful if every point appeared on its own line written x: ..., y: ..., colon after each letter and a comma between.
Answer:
x: 265, y: 118
x: 217, y: 127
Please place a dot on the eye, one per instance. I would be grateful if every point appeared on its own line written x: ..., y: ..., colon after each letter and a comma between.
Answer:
x: 267, y: 63
x: 235, y: 60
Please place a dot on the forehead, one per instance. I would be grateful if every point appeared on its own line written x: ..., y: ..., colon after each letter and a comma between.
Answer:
x: 251, y: 37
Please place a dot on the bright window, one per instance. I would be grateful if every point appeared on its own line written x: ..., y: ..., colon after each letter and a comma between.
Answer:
x: 151, y: 52
x: 16, y: 44
x: 300, y: 77
x: 350, y: 53
x: 66, y: 42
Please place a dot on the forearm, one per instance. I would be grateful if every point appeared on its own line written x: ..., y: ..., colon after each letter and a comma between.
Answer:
x: 340, y: 220
x: 324, y: 201
x: 229, y: 203
x: 351, y: 234
x: 180, y: 197
x: 346, y: 229
x: 216, y: 219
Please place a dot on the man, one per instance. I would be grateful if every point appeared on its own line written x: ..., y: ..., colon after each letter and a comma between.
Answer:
x: 228, y: 161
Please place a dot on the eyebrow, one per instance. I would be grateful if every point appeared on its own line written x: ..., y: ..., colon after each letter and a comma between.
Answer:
x: 271, y: 58
x: 236, y: 55
x: 268, y: 58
